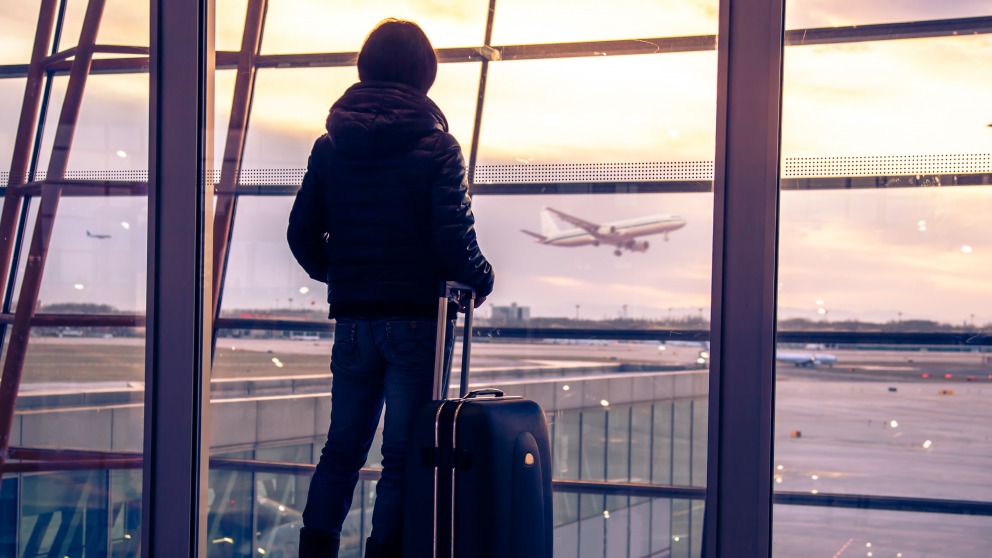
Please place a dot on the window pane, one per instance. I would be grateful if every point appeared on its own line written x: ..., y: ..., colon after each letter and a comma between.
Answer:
x: 230, y: 24
x: 72, y: 478
x: 19, y: 21
x: 294, y: 26
x: 11, y: 97
x: 567, y: 111
x: 553, y: 21
x: 111, y: 134
x: 882, y: 248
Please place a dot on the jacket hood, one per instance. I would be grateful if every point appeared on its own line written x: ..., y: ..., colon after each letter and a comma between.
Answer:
x: 374, y: 119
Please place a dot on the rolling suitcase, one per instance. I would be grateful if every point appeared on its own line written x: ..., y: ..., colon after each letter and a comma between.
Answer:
x: 478, y: 476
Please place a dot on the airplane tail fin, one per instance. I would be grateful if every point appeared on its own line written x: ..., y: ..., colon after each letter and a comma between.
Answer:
x: 539, y: 237
x: 548, y: 225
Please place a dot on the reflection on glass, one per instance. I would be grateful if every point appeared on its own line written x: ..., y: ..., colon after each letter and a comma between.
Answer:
x: 315, y: 26
x: 613, y: 109
x: 290, y: 107
x: 799, y: 531
x: 554, y: 21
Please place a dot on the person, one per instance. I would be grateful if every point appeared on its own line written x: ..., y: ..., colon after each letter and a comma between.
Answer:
x: 383, y: 216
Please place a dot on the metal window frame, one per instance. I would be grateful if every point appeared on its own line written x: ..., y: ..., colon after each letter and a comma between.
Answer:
x: 177, y: 350
x: 738, y: 520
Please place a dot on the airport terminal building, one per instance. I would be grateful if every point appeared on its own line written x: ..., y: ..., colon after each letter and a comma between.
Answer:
x: 741, y: 253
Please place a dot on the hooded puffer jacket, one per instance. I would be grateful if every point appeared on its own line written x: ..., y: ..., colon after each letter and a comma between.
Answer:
x: 384, y: 213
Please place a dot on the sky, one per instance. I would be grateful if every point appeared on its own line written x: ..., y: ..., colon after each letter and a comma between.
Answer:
x: 860, y: 254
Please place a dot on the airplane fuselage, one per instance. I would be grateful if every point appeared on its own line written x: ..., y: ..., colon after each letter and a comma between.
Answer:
x: 617, y: 232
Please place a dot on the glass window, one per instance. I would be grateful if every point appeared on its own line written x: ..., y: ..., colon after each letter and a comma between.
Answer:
x: 881, y: 247
x: 19, y: 22
x: 11, y: 98
x: 560, y: 21
x: 837, y: 13
x: 110, y: 141
x: 314, y: 26
x: 612, y: 109
x: 230, y: 25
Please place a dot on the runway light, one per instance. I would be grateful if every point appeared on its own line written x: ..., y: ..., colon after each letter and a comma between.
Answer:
x: 127, y: 536
x: 815, y: 477
x: 899, y: 555
x: 704, y: 354
x: 927, y: 444
x: 676, y: 539
x: 814, y: 491
x: 122, y: 154
x: 662, y: 348
x: 277, y: 362
x: 868, y: 545
x: 78, y: 286
x: 606, y: 514
x: 870, y: 554
x: 966, y: 249
x: 821, y: 311
x: 893, y: 424
x: 304, y: 290
x: 126, y: 225
x: 780, y: 467
x: 700, y: 360
x: 819, y: 302
x: 261, y: 551
x: 282, y: 508
x: 565, y: 387
x: 604, y: 403
x: 778, y: 480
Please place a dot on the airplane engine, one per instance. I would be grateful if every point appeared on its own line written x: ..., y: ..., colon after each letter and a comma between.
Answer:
x: 635, y: 246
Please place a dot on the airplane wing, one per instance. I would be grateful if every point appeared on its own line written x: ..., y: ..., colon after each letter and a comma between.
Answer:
x: 589, y: 227
x: 539, y: 237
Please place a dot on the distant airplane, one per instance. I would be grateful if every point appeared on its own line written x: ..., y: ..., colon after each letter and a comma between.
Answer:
x: 621, y: 234
x: 805, y: 359
x: 97, y: 236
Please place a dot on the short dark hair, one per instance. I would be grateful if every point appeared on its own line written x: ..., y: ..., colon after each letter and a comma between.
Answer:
x: 398, y: 51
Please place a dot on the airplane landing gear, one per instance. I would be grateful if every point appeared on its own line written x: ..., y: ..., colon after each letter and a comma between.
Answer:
x: 617, y: 252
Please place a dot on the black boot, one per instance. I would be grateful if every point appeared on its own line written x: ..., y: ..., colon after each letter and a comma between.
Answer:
x: 318, y: 544
x: 378, y: 550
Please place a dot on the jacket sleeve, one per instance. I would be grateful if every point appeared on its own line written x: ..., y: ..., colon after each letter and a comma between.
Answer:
x: 308, y: 226
x: 453, y: 223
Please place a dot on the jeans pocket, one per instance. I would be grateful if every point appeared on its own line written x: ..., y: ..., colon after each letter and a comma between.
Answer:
x: 345, y: 350
x: 412, y: 339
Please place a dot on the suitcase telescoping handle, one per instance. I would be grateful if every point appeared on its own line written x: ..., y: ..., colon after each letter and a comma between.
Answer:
x: 465, y: 296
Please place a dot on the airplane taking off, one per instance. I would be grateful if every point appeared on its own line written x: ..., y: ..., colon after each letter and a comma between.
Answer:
x: 97, y: 236
x: 621, y: 234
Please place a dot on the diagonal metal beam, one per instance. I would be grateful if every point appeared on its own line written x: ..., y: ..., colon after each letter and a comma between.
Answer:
x: 21, y: 330
x: 237, y: 129
x: 26, y: 126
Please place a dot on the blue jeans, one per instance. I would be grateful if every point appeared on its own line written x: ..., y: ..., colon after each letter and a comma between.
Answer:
x: 373, y: 361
